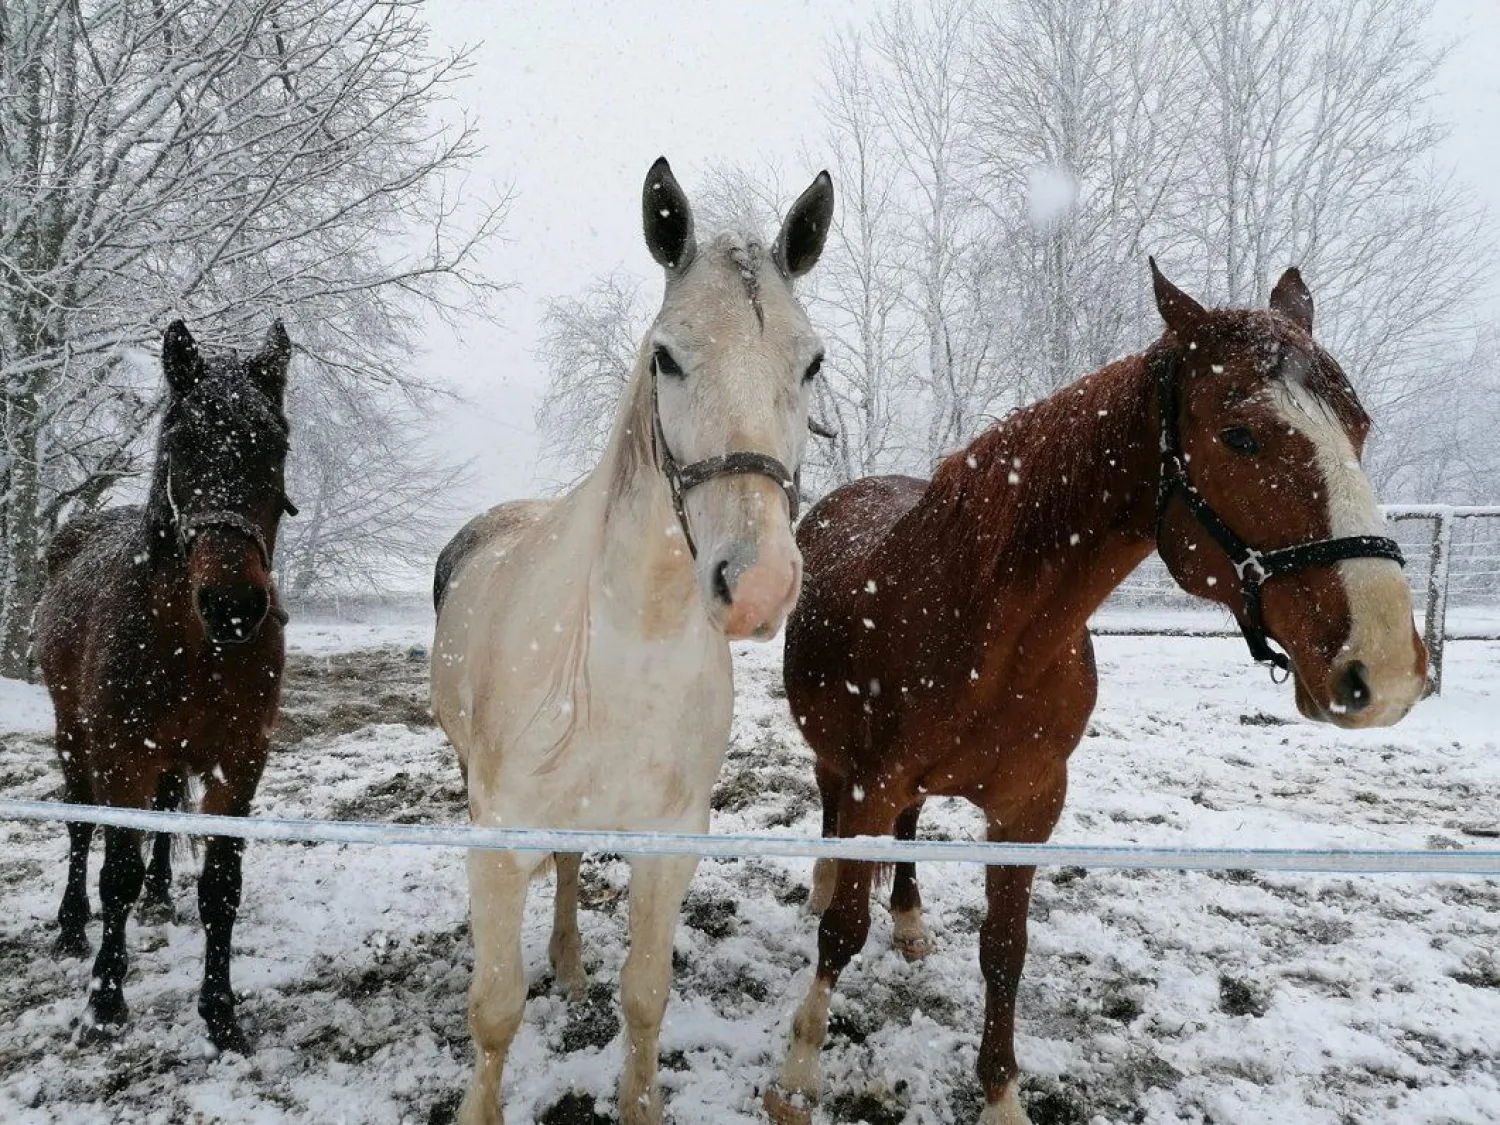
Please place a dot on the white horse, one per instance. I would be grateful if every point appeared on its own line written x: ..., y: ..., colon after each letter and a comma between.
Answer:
x: 581, y: 666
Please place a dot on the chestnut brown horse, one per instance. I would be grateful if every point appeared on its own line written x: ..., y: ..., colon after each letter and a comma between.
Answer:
x: 160, y: 639
x: 940, y: 645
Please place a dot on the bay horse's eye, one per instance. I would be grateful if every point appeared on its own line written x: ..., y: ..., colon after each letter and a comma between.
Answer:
x: 665, y: 364
x: 813, y: 368
x: 1241, y: 440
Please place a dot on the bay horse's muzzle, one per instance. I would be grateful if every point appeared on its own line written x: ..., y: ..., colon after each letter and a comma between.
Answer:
x: 232, y: 614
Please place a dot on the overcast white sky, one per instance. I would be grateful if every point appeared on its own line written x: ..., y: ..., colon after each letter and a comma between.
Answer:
x: 574, y: 102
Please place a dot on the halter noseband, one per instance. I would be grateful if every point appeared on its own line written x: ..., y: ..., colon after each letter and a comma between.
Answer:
x: 1254, y: 567
x: 187, y: 527
x: 681, y: 479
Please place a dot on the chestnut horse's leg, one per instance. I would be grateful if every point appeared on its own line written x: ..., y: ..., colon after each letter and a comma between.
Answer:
x: 1002, y: 952
x: 841, y: 934
x: 229, y: 792
x: 119, y: 884
x: 831, y: 790
x: 156, y: 895
x: 497, y: 992
x: 909, y: 935
x: 565, y: 950
x: 657, y: 884
x: 73, y: 914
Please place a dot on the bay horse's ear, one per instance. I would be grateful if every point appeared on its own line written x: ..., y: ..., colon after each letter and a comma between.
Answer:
x: 1292, y: 300
x: 1184, y: 316
x: 667, y: 218
x: 800, y: 243
x: 269, y: 366
x: 179, y: 358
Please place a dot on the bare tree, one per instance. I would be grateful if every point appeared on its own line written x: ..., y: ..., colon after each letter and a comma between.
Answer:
x: 920, y: 62
x: 1316, y: 146
x: 1079, y: 136
x: 219, y: 160
x: 374, y: 495
x: 588, y: 348
x: 859, y: 300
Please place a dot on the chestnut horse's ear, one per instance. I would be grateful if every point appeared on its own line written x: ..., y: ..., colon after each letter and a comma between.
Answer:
x: 269, y: 367
x: 1184, y: 316
x: 1292, y: 300
x: 667, y: 218
x: 800, y: 243
x: 179, y: 358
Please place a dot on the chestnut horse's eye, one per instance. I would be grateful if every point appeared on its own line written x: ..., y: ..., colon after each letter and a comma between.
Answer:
x: 1239, y: 439
x: 665, y: 364
x: 813, y: 368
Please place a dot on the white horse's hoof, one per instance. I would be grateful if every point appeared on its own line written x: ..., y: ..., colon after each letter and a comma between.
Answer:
x: 787, y: 1109
x: 478, y: 1110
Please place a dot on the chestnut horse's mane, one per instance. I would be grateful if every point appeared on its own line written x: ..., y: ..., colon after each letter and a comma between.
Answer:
x: 1041, y: 474
x: 1057, y: 467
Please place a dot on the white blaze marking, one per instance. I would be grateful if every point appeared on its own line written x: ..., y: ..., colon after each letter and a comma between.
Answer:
x: 1379, y: 600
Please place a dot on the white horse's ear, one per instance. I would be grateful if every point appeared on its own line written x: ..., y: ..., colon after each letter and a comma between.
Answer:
x: 800, y: 243
x: 666, y: 218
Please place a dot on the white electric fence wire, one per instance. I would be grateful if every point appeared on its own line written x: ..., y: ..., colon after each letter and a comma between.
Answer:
x: 740, y: 846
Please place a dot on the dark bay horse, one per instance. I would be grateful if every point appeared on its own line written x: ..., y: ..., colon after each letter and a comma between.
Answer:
x: 160, y: 639
x: 940, y: 644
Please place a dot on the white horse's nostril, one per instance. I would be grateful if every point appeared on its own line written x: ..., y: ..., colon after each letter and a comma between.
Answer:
x: 721, y: 584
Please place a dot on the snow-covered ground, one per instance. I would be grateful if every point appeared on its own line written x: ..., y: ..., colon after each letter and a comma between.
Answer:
x: 1148, y: 997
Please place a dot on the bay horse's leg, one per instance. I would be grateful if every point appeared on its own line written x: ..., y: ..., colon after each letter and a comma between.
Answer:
x: 909, y: 936
x: 73, y: 913
x: 831, y: 790
x: 229, y: 791
x: 657, y: 884
x: 156, y: 895
x: 1002, y: 953
x: 565, y: 950
x: 497, y: 993
x: 119, y: 884
x: 841, y: 934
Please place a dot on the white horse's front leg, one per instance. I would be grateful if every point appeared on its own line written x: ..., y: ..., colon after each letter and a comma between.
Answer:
x: 565, y: 951
x: 657, y: 884
x: 497, y: 994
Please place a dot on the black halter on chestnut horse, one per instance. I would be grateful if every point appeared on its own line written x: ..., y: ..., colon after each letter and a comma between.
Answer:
x: 940, y: 646
x: 160, y: 639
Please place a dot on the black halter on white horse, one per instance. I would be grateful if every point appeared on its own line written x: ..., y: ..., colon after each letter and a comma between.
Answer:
x: 1253, y: 566
x: 681, y: 479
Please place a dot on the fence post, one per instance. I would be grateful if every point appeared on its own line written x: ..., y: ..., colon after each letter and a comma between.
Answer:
x: 1434, y: 630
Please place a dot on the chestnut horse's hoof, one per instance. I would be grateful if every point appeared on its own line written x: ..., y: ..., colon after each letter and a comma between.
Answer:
x: 71, y: 943
x: 914, y: 947
x: 787, y: 1109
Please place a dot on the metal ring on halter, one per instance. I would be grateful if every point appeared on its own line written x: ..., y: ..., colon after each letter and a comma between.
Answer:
x: 681, y: 479
x: 1253, y: 567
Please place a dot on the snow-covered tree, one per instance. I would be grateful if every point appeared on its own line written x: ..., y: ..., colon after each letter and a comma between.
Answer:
x: 219, y: 160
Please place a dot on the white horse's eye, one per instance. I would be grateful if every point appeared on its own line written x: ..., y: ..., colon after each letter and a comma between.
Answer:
x: 665, y: 364
x: 813, y: 368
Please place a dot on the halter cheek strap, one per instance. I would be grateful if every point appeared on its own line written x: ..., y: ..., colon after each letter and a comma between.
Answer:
x: 1252, y: 566
x: 681, y: 479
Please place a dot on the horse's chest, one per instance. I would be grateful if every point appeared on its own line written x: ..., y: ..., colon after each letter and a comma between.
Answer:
x: 638, y: 740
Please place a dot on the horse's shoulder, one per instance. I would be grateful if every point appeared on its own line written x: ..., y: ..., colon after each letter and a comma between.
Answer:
x: 503, y: 521
x: 88, y: 532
